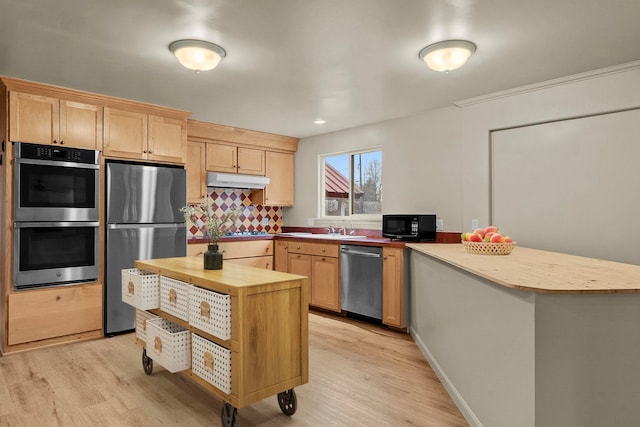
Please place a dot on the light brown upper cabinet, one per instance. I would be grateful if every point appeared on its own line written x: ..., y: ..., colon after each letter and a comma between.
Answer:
x: 47, y: 120
x: 196, y: 172
x: 234, y: 159
x: 279, y: 192
x: 140, y: 136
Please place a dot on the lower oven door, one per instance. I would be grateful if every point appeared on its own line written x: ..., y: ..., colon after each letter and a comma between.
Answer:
x: 54, y: 253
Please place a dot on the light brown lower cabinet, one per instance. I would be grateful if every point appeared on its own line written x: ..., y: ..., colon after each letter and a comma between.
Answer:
x: 254, y: 253
x: 319, y: 262
x: 50, y: 313
x: 393, y: 295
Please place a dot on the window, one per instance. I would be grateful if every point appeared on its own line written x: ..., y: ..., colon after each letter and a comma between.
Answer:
x: 352, y: 183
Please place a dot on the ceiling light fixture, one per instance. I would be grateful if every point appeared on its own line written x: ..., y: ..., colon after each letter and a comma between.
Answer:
x: 319, y: 121
x: 447, y: 55
x: 197, y: 55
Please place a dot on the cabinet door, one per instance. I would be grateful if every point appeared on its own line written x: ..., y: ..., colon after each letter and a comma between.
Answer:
x: 125, y: 134
x: 301, y: 265
x: 196, y: 172
x: 325, y: 282
x: 250, y: 161
x: 279, y: 168
x: 167, y: 139
x: 33, y: 118
x: 222, y: 158
x: 392, y: 286
x: 80, y: 125
x: 281, y: 256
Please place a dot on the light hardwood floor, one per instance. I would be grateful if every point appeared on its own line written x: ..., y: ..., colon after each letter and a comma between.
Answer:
x: 359, y: 375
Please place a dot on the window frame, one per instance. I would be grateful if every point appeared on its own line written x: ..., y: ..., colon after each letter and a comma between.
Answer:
x: 373, y: 220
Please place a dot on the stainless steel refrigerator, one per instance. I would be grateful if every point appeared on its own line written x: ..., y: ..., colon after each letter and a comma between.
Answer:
x: 143, y: 222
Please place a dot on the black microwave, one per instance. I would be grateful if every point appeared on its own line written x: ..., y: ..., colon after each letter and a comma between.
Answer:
x: 409, y: 227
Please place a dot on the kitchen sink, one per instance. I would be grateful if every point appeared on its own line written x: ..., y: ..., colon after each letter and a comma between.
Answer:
x: 323, y: 236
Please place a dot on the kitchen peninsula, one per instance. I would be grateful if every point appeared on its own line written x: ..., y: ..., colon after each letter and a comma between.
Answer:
x: 534, y: 338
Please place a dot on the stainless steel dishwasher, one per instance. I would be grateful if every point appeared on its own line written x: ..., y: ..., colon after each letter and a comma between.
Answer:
x: 361, y: 280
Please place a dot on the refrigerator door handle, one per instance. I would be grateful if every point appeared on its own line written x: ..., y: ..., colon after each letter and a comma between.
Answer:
x: 126, y: 226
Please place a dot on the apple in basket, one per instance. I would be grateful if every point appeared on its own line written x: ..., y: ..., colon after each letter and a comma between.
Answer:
x: 475, y: 237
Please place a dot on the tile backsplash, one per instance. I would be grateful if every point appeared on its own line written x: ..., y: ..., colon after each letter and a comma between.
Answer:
x: 252, y: 217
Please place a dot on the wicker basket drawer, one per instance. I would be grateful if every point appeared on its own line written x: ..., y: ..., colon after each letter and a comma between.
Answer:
x: 210, y: 312
x: 211, y: 362
x: 141, y: 323
x: 174, y: 297
x: 168, y: 344
x: 140, y: 288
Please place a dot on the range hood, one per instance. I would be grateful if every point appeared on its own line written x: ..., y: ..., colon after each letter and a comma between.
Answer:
x: 232, y: 180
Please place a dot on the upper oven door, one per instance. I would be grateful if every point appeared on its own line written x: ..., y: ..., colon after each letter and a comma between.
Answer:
x: 47, y: 190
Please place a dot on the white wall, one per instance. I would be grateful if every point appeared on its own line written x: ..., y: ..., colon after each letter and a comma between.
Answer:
x: 438, y: 161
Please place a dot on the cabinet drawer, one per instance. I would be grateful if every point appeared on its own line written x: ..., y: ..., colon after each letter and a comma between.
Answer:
x: 210, y: 312
x: 41, y: 314
x: 246, y: 248
x: 265, y: 262
x: 321, y: 249
x: 211, y: 362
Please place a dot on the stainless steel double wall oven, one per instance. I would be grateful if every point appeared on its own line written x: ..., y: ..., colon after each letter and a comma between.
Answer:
x: 56, y: 213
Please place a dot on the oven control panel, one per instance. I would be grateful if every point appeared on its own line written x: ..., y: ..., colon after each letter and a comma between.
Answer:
x: 59, y: 154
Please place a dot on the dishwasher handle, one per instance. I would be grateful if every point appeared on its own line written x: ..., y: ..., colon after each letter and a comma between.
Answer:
x: 358, y: 253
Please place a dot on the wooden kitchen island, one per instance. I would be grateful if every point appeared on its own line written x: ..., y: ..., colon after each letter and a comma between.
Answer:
x: 268, y: 329
x: 533, y: 338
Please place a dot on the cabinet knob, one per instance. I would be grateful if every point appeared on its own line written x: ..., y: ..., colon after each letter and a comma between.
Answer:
x: 324, y: 250
x: 150, y: 152
x: 144, y: 151
x: 61, y: 142
x: 55, y: 141
x: 384, y: 257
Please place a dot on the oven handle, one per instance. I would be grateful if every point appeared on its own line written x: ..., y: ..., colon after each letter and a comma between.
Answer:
x: 42, y: 224
x: 146, y: 225
x: 56, y: 163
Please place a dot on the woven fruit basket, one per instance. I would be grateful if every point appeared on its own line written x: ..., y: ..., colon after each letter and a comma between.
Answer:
x: 486, y: 248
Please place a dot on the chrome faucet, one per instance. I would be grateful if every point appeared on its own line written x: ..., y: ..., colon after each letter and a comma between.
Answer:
x: 331, y: 230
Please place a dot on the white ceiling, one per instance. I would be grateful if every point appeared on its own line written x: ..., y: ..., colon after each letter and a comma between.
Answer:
x: 350, y: 62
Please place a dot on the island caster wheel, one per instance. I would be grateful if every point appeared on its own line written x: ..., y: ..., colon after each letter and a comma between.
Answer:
x: 147, y: 363
x: 229, y: 416
x: 288, y: 402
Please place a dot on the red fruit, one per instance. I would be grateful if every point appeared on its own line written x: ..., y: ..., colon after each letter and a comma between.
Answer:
x: 475, y: 237
x: 487, y: 237
x: 508, y: 239
x: 491, y: 228
x: 497, y: 238
x: 480, y: 232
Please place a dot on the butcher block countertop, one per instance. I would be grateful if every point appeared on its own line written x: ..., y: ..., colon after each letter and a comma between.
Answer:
x: 541, y: 271
x: 229, y: 280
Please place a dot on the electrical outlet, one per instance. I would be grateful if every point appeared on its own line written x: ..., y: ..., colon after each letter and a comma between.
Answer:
x: 309, y: 221
x: 439, y: 225
x: 475, y: 224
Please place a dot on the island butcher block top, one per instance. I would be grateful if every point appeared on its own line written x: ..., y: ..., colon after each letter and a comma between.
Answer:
x: 541, y: 271
x: 228, y: 280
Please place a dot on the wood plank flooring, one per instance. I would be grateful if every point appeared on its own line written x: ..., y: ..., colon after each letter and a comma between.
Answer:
x: 360, y: 375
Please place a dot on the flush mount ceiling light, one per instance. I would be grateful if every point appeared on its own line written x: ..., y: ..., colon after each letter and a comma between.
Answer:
x: 197, y: 55
x: 447, y: 55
